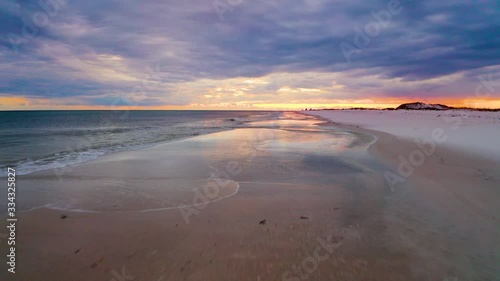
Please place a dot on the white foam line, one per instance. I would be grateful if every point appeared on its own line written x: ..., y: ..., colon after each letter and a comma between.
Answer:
x: 375, y: 139
x: 48, y: 206
x: 193, y: 205
x: 69, y: 210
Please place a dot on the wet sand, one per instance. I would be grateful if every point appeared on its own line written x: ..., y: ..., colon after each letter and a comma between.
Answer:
x: 280, y: 200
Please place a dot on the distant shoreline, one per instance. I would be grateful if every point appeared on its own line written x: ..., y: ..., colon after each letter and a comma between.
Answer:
x: 413, y: 106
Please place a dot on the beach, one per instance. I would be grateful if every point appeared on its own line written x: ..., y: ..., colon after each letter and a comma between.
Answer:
x: 234, y: 140
x: 316, y: 196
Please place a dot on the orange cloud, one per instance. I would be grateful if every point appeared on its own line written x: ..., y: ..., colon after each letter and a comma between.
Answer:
x: 29, y: 103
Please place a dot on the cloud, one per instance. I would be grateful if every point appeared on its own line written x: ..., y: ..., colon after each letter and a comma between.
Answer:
x: 181, y: 52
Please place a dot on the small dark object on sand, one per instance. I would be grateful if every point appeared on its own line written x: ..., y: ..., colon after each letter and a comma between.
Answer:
x: 304, y: 218
x: 77, y: 251
x: 232, y: 119
x: 262, y: 222
x: 63, y: 217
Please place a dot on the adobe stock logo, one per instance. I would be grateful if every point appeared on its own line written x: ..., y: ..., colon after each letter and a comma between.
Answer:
x: 363, y: 37
x: 310, y: 264
x: 47, y: 9
x: 223, y: 6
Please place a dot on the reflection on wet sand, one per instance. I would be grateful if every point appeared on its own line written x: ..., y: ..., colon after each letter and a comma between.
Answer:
x: 285, y: 199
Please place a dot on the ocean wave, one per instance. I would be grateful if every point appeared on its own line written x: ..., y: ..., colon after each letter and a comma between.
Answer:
x: 85, y: 144
x: 72, y: 146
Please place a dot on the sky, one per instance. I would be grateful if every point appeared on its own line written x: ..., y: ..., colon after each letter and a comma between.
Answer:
x: 248, y: 54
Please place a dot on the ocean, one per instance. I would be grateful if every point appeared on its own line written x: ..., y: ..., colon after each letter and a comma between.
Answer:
x: 33, y: 141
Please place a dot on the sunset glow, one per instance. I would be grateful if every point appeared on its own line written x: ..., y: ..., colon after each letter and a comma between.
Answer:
x: 198, y: 57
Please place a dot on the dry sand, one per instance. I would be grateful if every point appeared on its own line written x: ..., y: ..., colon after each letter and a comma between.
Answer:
x: 475, y: 131
x: 288, y: 200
